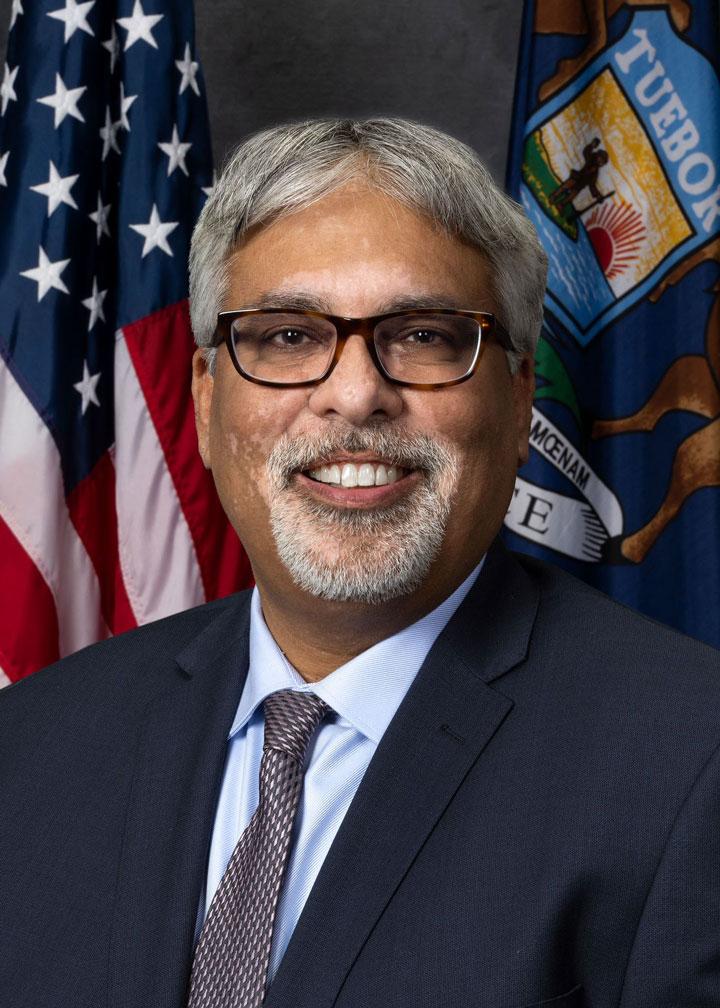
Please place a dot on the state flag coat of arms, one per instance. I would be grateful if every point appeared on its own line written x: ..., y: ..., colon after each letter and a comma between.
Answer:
x: 615, y: 156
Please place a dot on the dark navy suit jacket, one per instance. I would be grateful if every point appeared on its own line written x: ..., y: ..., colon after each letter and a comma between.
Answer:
x: 540, y: 823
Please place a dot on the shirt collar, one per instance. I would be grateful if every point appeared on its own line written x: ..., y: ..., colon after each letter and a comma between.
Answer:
x: 366, y: 691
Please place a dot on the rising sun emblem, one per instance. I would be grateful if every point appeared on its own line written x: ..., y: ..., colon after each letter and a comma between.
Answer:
x: 616, y: 232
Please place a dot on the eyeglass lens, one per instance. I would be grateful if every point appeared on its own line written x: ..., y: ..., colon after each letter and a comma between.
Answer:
x: 280, y: 347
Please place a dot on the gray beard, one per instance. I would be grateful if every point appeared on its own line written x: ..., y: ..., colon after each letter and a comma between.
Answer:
x: 372, y: 556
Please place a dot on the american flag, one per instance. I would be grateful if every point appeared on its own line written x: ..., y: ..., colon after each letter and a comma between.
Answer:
x: 107, y: 517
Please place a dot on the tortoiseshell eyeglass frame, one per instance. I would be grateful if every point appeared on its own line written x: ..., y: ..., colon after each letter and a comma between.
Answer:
x: 488, y: 328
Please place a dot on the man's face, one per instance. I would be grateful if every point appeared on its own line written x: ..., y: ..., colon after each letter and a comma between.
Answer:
x: 455, y: 450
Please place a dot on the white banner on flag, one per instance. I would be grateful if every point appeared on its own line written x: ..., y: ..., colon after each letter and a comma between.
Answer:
x: 577, y: 528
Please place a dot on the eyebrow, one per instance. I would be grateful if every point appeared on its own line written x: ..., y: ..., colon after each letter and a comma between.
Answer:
x: 292, y: 299
x: 304, y: 300
x: 421, y: 301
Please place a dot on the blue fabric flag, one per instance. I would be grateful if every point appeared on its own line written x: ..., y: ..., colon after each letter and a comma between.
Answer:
x: 615, y: 156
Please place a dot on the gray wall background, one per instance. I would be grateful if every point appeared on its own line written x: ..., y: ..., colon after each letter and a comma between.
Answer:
x: 450, y: 63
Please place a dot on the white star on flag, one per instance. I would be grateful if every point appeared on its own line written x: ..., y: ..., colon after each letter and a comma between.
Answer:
x: 57, y: 190
x: 7, y: 91
x: 208, y: 189
x: 113, y: 47
x: 138, y: 26
x: 95, y: 305
x: 100, y: 218
x: 176, y: 152
x: 47, y: 274
x: 15, y: 11
x: 64, y: 101
x: 125, y: 105
x: 155, y: 233
x: 188, y: 68
x: 108, y: 134
x: 3, y: 162
x: 75, y: 16
x: 87, y: 388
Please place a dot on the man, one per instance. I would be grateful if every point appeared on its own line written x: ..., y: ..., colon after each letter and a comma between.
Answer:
x: 409, y: 769
x: 584, y: 177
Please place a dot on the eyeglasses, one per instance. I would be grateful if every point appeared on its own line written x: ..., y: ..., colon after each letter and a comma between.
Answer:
x: 422, y: 348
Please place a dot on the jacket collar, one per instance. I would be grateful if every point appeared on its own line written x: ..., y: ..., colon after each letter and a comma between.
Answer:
x: 447, y: 718
x: 178, y: 755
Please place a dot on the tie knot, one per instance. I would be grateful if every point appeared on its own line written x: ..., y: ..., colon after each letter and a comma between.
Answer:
x: 290, y: 720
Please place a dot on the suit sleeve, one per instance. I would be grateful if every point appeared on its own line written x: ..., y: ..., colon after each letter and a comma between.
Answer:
x: 675, y: 958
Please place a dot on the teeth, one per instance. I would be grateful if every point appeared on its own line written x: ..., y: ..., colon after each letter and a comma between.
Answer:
x: 349, y: 477
x: 365, y: 475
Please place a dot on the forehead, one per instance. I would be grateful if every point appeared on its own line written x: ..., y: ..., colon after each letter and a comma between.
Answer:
x: 356, y: 251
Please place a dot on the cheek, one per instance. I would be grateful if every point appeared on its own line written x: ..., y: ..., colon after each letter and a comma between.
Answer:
x: 245, y: 425
x: 479, y: 425
x: 239, y: 449
x: 481, y: 428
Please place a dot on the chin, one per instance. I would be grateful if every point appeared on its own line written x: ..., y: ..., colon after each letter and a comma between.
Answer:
x: 367, y: 557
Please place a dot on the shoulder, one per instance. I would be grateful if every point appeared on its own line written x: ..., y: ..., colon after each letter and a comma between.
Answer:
x: 120, y: 673
x: 587, y: 620
x: 614, y: 677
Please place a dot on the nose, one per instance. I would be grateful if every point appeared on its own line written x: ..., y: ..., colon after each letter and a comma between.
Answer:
x: 355, y: 390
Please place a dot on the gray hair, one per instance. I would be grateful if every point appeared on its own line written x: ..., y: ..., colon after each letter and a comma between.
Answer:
x: 292, y: 166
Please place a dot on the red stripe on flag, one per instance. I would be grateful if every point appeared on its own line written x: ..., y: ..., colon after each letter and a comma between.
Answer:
x: 161, y: 349
x: 92, y: 510
x: 28, y: 618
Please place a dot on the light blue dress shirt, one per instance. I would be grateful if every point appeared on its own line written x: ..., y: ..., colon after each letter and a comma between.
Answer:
x: 365, y: 693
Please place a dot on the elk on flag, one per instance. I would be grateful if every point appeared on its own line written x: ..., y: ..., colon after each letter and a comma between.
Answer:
x: 615, y: 155
x: 107, y: 517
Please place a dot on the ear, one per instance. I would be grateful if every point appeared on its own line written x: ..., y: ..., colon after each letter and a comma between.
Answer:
x: 202, y: 393
x: 523, y: 382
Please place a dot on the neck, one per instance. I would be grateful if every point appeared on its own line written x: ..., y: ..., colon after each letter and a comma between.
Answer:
x: 317, y: 636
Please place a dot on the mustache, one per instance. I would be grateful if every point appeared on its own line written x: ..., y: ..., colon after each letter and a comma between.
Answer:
x: 406, y: 449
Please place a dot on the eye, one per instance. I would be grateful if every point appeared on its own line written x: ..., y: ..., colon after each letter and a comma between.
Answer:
x: 422, y: 335
x: 288, y: 336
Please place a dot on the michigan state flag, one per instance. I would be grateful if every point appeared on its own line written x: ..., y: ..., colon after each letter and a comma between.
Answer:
x: 615, y: 156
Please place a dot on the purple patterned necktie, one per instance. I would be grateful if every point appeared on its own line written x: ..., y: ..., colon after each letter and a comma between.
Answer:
x: 231, y: 960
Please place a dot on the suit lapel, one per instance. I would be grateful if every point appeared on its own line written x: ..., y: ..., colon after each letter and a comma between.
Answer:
x: 444, y: 723
x: 179, y: 762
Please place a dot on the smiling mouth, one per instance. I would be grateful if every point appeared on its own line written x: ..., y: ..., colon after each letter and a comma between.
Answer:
x: 360, y: 474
